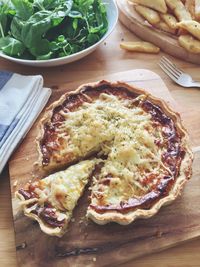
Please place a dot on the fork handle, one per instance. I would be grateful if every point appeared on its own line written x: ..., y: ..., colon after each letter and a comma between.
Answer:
x: 196, y: 84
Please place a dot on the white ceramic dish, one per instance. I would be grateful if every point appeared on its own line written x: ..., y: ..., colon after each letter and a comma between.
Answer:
x: 112, y: 12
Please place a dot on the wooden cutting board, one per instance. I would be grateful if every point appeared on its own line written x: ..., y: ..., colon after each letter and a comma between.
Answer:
x: 168, y: 43
x: 89, y: 244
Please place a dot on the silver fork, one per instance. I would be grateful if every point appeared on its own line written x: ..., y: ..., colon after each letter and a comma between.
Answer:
x: 176, y: 74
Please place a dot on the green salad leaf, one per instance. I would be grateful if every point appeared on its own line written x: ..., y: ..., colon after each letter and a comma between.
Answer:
x: 11, y: 46
x: 23, y: 9
x: 45, y: 29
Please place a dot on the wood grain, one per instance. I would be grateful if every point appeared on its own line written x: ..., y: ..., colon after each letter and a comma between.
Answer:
x: 86, y: 241
x: 111, y: 244
x: 168, y: 43
x: 109, y: 58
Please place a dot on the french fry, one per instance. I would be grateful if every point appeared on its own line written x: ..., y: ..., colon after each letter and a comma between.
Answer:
x: 191, y: 44
x: 164, y: 27
x: 177, y: 17
x: 170, y: 20
x: 191, y: 26
x: 179, y: 9
x: 149, y: 14
x: 158, y: 5
x: 197, y: 10
x: 140, y: 46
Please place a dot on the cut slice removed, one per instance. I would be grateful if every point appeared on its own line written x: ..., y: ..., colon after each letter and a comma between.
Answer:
x: 51, y: 201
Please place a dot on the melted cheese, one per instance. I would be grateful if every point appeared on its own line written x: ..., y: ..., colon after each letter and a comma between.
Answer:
x: 63, y: 189
x: 125, y: 134
x: 97, y: 124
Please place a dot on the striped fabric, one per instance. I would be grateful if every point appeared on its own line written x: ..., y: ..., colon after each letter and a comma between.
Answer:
x: 22, y: 98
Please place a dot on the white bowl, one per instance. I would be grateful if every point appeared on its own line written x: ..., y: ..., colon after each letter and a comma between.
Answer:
x: 112, y: 13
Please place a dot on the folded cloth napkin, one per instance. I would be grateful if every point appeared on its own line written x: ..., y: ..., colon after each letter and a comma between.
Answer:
x: 22, y: 98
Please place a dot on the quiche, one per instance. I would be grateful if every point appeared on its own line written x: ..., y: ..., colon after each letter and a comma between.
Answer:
x: 138, y: 146
x: 51, y: 200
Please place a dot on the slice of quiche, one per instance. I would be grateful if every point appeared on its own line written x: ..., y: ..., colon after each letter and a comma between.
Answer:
x: 50, y: 201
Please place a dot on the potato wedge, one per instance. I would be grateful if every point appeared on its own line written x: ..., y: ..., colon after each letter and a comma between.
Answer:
x: 140, y: 46
x: 197, y: 10
x: 191, y: 44
x: 170, y: 20
x: 179, y: 9
x: 149, y: 14
x: 158, y: 5
x: 191, y: 26
x: 164, y: 27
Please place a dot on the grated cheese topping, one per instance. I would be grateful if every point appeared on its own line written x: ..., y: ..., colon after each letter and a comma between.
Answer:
x: 62, y: 189
x: 124, y: 133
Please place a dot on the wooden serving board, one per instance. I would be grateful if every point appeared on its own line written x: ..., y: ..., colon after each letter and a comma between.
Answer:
x: 89, y: 244
x: 167, y: 42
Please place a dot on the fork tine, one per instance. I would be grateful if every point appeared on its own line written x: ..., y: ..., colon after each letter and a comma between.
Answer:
x: 172, y: 64
x: 171, y: 67
x: 169, y: 70
x: 170, y: 74
x: 166, y: 66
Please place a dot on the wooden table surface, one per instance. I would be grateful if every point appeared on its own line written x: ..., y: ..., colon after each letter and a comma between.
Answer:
x: 109, y: 58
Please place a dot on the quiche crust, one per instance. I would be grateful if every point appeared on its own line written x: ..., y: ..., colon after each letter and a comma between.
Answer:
x: 185, y: 168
